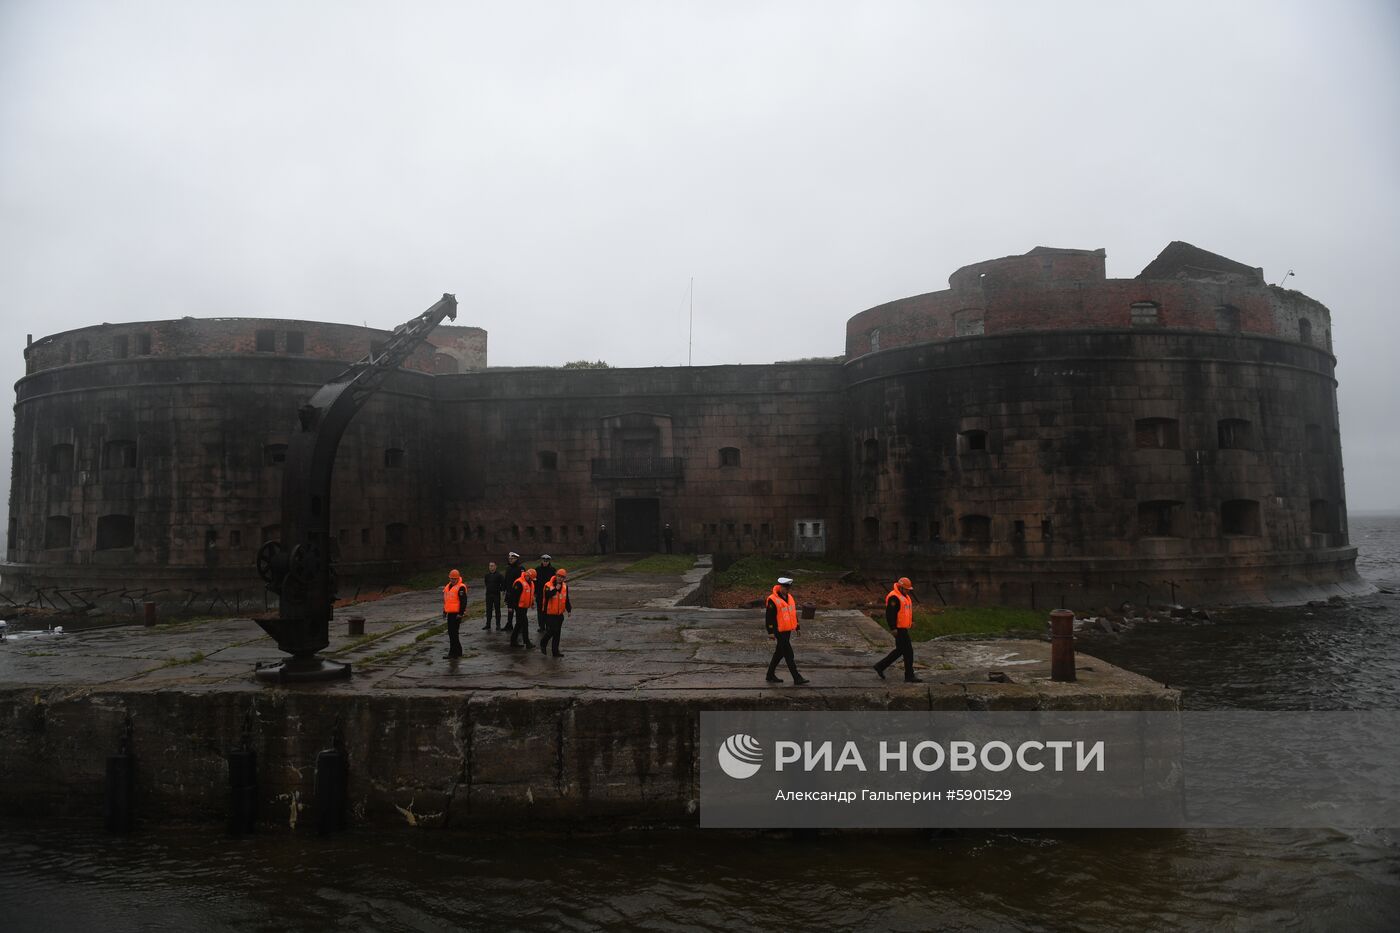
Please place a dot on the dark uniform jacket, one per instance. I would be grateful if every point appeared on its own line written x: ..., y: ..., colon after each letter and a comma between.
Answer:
x: 495, y: 583
x: 543, y: 574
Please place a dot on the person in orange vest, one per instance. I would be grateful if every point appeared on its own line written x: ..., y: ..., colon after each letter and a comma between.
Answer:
x: 522, y: 596
x: 899, y: 616
x: 556, y: 604
x: 780, y: 618
x: 454, y: 603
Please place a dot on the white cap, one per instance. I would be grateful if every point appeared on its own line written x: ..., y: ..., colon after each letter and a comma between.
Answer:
x: 785, y: 581
x: 545, y: 557
x: 512, y: 554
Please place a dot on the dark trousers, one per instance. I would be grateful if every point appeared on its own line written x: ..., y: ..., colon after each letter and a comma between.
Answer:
x: 454, y: 626
x: 522, y: 627
x: 493, y: 607
x: 782, y: 651
x: 904, y: 648
x: 553, y: 626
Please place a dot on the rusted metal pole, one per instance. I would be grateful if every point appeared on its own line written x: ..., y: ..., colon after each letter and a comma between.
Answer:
x: 150, y: 612
x: 1062, y: 645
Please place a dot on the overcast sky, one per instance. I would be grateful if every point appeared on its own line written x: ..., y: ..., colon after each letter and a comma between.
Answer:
x: 566, y: 168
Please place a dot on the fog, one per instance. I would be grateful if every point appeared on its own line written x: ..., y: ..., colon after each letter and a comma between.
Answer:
x: 566, y: 169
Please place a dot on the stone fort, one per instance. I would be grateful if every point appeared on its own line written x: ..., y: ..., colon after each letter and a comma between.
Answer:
x: 1034, y: 434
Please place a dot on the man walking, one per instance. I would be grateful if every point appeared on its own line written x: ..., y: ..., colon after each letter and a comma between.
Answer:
x: 522, y: 595
x: 454, y: 603
x: 899, y: 616
x: 602, y: 539
x: 495, y: 584
x: 667, y: 535
x: 511, y: 574
x: 556, y: 605
x: 543, y: 573
x: 780, y: 618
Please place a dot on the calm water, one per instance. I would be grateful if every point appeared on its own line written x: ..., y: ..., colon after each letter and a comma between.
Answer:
x: 1334, y: 657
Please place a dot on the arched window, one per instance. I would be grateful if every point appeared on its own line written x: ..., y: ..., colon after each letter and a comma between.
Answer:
x: 871, y: 527
x: 874, y: 339
x: 58, y: 531
x: 1161, y: 518
x: 115, y: 531
x: 969, y: 322
x: 1322, y: 518
x: 1234, y: 434
x: 395, y: 533
x: 60, y: 458
x: 547, y: 459
x: 393, y: 457
x: 1304, y: 330
x: 118, y: 455
x: 729, y: 456
x: 1227, y: 319
x: 975, y: 528
x: 870, y: 452
x: 1145, y: 314
x: 1314, y: 436
x: 971, y: 441
x: 1159, y: 433
x: 1239, y: 517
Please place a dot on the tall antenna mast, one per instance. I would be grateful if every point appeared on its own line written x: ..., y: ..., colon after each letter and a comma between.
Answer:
x: 690, y: 344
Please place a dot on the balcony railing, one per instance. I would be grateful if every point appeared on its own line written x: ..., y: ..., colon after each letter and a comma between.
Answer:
x: 637, y: 468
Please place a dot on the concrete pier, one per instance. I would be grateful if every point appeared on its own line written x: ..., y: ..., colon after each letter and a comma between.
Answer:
x: 607, y: 732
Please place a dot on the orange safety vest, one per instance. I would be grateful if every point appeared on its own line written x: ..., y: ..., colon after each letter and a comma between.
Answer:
x: 527, y: 593
x: 787, y: 610
x: 451, y: 597
x: 555, y: 598
x: 905, y: 619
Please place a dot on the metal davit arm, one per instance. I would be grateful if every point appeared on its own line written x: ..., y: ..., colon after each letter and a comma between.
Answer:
x: 299, y: 569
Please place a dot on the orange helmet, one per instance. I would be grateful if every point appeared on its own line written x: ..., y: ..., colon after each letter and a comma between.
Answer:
x: 904, y: 582
x: 562, y: 574
x: 454, y: 575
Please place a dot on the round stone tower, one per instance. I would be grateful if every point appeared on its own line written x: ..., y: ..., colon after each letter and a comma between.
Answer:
x: 147, y: 456
x: 1038, y: 433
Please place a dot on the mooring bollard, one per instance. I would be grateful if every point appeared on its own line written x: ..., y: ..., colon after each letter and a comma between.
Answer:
x: 1062, y: 645
x: 150, y: 609
x: 355, y: 625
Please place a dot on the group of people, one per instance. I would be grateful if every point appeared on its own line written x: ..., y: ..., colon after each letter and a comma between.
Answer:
x: 780, y: 618
x: 545, y: 588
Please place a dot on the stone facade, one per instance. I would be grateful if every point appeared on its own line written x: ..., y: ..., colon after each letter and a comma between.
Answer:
x: 1036, y: 432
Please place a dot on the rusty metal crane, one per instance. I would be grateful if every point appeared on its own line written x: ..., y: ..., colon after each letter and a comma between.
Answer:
x: 300, y: 568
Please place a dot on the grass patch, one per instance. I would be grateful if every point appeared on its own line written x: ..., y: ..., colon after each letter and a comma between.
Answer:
x: 668, y: 564
x: 178, y: 662
x: 757, y: 571
x: 975, y: 620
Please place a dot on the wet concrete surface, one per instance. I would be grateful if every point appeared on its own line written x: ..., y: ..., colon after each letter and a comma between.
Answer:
x: 626, y: 636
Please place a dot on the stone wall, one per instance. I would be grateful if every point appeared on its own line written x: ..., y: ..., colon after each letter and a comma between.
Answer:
x: 1099, y: 458
x: 422, y: 759
x: 732, y: 455
x: 258, y: 338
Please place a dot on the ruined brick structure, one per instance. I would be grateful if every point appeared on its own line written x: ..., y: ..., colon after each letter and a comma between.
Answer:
x: 1034, y: 433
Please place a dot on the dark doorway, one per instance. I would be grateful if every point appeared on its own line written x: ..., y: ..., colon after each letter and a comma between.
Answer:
x: 637, y: 523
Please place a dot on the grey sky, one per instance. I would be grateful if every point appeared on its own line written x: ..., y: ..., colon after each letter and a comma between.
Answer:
x: 565, y: 168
